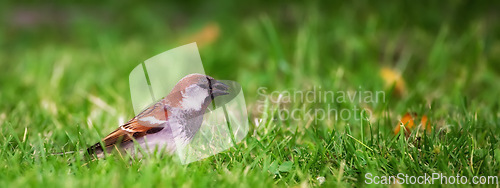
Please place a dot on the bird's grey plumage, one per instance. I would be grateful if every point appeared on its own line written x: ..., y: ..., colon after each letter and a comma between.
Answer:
x: 173, y: 121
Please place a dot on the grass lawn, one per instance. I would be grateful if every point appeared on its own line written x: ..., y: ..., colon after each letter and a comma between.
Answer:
x: 64, y: 86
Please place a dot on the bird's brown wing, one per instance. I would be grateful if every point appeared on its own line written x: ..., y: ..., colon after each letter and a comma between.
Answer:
x: 147, y: 122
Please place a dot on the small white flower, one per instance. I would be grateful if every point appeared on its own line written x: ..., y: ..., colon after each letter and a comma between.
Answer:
x: 320, y: 179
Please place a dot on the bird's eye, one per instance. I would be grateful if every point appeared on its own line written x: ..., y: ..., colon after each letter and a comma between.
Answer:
x: 205, y: 85
x: 209, y: 85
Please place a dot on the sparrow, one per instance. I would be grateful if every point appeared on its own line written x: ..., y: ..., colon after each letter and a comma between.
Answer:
x: 172, y: 121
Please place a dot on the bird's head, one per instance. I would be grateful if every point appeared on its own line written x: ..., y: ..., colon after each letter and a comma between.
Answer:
x: 196, y: 91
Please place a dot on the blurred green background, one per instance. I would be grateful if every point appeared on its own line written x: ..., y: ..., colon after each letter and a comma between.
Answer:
x: 258, y: 43
x: 64, y: 74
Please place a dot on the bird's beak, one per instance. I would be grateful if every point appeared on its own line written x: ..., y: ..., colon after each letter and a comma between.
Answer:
x: 219, y: 88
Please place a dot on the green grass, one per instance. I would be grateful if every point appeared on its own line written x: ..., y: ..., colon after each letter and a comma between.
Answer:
x: 54, y: 76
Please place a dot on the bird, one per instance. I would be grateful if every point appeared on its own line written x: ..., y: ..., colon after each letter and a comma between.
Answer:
x: 169, y: 123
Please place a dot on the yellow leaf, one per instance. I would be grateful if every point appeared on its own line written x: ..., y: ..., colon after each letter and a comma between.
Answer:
x: 391, y: 78
x: 207, y: 35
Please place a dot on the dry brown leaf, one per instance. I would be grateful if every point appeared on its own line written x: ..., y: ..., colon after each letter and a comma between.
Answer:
x: 408, y: 120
